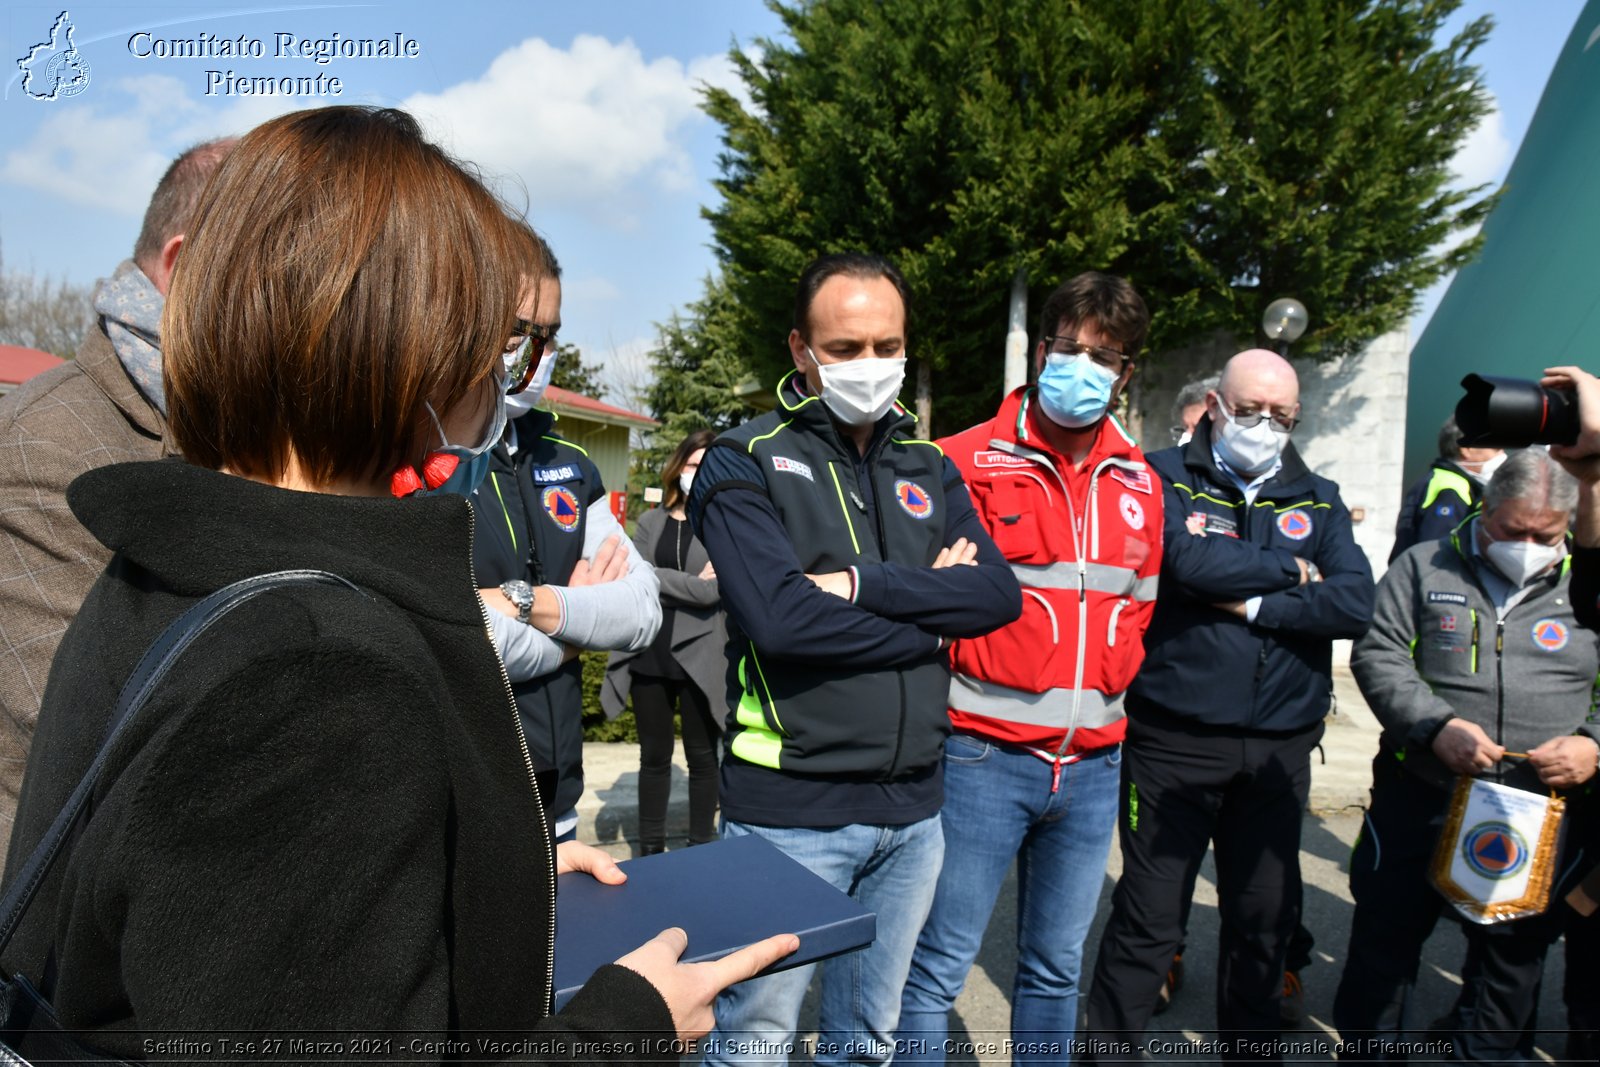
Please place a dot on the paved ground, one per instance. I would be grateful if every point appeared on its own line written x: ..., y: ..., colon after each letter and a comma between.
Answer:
x: 1339, y: 789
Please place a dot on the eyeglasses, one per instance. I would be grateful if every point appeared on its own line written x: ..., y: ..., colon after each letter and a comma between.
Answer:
x: 1108, y: 358
x: 1178, y: 432
x: 1247, y: 420
x: 528, y: 343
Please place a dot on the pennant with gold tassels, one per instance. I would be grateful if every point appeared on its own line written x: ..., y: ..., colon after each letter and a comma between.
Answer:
x: 1496, y: 858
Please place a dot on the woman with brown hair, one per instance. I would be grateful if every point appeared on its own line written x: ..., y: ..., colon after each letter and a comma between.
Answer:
x: 683, y: 672
x: 324, y: 819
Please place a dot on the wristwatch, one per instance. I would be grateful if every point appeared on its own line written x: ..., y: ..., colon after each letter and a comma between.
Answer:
x: 519, y: 593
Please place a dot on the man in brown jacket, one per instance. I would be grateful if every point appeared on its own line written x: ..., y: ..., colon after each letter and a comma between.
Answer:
x: 105, y: 406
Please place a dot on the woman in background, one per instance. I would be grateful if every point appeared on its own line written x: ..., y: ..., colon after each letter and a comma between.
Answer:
x: 683, y: 672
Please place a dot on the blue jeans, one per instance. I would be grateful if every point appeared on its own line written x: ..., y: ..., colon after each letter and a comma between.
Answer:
x: 890, y: 870
x: 999, y: 805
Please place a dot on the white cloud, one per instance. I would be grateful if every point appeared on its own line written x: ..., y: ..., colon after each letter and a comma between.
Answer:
x: 577, y: 126
x: 94, y: 159
x: 109, y: 154
x: 717, y: 71
x: 595, y: 127
x: 1486, y: 152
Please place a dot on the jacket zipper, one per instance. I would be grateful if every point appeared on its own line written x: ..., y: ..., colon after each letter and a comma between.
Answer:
x: 883, y: 554
x: 527, y: 759
x: 1094, y: 506
x: 1499, y: 682
x: 1083, y: 595
x: 1474, y: 613
x: 1079, y: 545
x: 1242, y: 521
x: 844, y: 509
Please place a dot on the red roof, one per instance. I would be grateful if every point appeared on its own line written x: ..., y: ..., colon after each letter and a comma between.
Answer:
x: 578, y: 404
x: 18, y: 364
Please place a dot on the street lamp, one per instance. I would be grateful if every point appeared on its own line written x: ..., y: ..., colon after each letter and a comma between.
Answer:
x: 1284, y: 321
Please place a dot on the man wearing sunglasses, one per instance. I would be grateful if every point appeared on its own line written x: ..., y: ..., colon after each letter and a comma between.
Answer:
x: 553, y: 562
x: 1260, y: 574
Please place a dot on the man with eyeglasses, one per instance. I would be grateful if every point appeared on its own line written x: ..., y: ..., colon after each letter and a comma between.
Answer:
x: 553, y: 563
x: 1260, y: 575
x: 1031, y: 769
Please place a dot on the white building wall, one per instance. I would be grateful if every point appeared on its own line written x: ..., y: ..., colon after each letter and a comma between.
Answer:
x: 1354, y: 432
x: 1354, y: 412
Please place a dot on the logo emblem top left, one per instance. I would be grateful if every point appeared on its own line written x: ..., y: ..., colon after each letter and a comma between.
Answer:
x: 54, y: 69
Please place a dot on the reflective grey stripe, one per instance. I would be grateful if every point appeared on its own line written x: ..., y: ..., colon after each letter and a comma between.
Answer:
x: 1053, y: 707
x: 1097, y: 577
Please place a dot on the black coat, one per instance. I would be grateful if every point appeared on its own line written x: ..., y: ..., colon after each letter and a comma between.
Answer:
x: 325, y: 819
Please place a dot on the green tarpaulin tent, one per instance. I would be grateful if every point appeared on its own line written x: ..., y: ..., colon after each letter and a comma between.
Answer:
x: 1532, y: 298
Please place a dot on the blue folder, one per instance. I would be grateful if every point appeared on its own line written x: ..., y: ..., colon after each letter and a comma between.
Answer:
x: 725, y: 895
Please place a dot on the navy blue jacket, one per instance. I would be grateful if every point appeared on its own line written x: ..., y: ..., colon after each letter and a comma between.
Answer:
x: 849, y: 683
x: 1434, y: 506
x: 1203, y: 664
x: 533, y: 510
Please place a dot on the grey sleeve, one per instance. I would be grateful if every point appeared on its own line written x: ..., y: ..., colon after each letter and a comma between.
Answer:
x: 623, y: 615
x: 1383, y: 665
x: 678, y: 588
x: 683, y: 589
x: 526, y: 652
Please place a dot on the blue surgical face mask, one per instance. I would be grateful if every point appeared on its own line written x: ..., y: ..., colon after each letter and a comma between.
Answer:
x: 1075, y: 391
x: 473, y: 467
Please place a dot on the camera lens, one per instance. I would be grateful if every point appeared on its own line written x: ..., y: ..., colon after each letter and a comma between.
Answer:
x: 1515, y: 413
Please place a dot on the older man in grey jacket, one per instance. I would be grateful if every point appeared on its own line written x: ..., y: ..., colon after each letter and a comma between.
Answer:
x: 1473, y: 655
x: 106, y: 406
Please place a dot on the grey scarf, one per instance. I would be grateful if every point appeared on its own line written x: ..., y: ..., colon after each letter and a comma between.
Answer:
x: 129, y: 306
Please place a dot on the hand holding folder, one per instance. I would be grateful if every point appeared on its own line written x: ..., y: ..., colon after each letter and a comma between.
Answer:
x: 717, y: 905
x: 688, y: 988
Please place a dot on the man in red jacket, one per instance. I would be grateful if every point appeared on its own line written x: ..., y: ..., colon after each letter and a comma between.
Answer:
x: 1031, y: 771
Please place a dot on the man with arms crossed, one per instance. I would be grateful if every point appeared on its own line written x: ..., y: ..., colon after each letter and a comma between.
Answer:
x: 1031, y: 770
x: 849, y: 556
x: 1260, y: 574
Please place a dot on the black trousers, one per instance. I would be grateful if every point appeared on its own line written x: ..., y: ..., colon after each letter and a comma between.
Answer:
x: 655, y: 703
x: 1582, y: 989
x: 1186, y: 787
x: 1397, y: 908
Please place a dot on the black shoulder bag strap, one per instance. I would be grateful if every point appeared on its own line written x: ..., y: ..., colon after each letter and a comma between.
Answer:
x: 152, y: 668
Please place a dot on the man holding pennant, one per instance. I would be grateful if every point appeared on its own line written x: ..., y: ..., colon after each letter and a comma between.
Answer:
x: 1475, y: 666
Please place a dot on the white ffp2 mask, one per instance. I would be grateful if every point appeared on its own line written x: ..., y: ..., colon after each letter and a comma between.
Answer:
x: 1523, y: 561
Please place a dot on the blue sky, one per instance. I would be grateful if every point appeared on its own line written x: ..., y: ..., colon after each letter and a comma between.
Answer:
x: 585, y: 112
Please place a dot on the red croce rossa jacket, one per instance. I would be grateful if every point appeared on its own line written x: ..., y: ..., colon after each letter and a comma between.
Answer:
x: 1085, y: 544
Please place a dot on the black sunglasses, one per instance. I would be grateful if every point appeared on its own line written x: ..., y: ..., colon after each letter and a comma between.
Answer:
x: 529, y: 342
